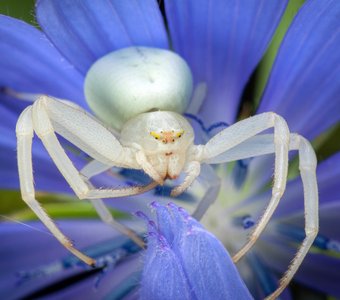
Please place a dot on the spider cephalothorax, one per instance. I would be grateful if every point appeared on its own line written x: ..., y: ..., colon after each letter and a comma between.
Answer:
x: 141, y: 93
x: 157, y: 137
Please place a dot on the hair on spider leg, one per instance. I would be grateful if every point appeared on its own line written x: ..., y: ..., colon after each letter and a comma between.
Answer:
x: 25, y: 224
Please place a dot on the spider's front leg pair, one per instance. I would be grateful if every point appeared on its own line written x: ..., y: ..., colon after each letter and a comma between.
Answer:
x: 241, y: 141
x: 46, y: 117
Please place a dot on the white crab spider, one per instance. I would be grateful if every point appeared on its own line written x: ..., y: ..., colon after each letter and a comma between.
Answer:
x: 141, y: 93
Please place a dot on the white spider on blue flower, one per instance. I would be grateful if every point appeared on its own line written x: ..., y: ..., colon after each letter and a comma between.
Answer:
x: 141, y: 93
x: 100, y: 57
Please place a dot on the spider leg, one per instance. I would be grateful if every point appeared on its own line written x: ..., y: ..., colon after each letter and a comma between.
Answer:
x: 106, y: 216
x: 307, y: 166
x: 24, y: 131
x: 148, y: 168
x: 242, y: 131
x: 91, y: 169
x: 214, y: 184
x: 264, y: 144
x: 50, y: 116
x: 141, y: 159
x: 192, y: 170
x: 39, y: 118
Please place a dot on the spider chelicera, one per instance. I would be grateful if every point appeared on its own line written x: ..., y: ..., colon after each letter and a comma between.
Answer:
x: 140, y: 93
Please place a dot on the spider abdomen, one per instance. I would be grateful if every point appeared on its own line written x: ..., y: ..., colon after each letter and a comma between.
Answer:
x: 135, y: 80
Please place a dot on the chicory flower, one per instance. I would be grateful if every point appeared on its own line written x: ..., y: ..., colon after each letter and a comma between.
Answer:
x: 192, y: 262
x: 222, y: 41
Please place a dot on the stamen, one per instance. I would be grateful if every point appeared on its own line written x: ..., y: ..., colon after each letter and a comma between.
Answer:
x: 154, y: 204
x: 161, y: 240
x: 182, y: 212
x: 142, y: 215
x: 152, y: 227
x: 245, y: 221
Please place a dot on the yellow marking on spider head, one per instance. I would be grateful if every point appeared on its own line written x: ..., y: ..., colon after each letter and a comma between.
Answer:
x: 167, y: 136
x: 155, y: 135
x: 179, y: 134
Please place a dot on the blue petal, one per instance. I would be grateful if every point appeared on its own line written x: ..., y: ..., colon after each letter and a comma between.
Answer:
x: 222, y: 41
x: 163, y: 276
x: 328, y: 174
x: 29, y: 63
x: 85, y: 30
x: 305, y: 84
x: 210, y: 269
x: 329, y: 223
x: 318, y: 271
x: 40, y: 260
x: 193, y: 263
x: 161, y: 263
x: 47, y: 177
x: 266, y: 279
x: 321, y: 272
x: 165, y: 221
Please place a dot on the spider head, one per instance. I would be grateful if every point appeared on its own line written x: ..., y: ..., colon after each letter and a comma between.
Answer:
x: 164, y: 137
x: 158, y: 133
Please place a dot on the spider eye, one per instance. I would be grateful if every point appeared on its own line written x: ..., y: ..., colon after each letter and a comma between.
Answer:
x: 155, y: 135
x: 179, y: 134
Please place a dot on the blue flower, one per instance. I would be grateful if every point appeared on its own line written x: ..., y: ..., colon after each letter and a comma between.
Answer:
x: 223, y: 42
x: 189, y: 259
